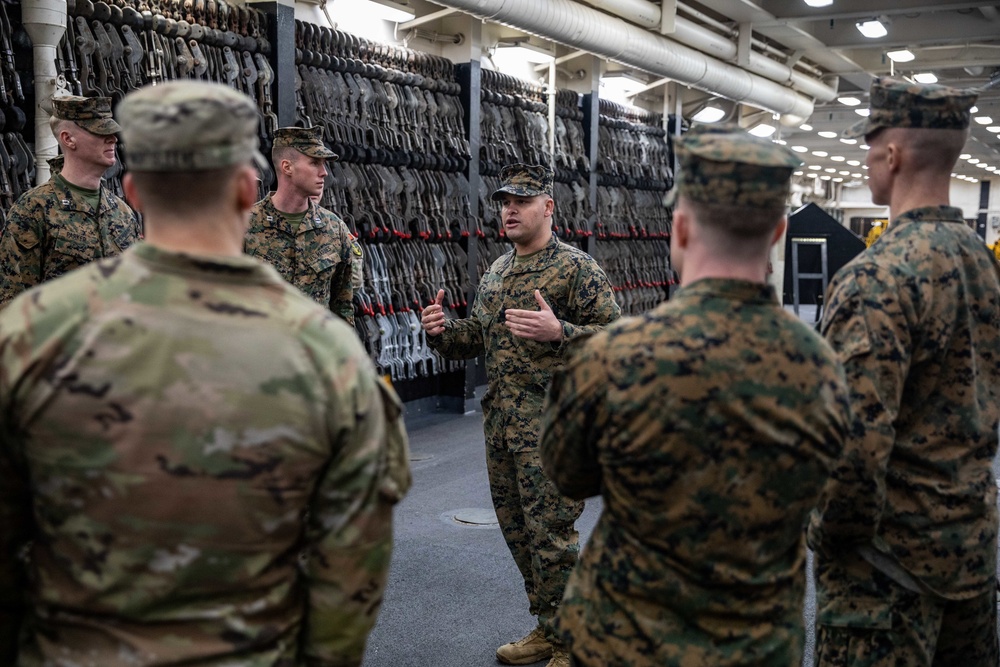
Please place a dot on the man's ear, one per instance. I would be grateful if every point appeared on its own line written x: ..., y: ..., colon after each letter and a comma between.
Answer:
x: 550, y: 206
x: 132, y: 197
x: 246, y: 188
x: 779, y: 230
x: 680, y: 230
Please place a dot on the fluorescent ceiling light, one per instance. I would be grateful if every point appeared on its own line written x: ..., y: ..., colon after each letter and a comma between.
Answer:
x: 806, y: 127
x: 395, y: 11
x: 819, y: 3
x: 827, y: 134
x: 849, y: 101
x: 830, y: 170
x: 925, y: 77
x: 524, y: 51
x: 972, y: 160
x: 965, y: 156
x: 803, y: 149
x: 993, y: 128
x: 863, y: 112
x: 837, y: 158
x: 849, y: 142
x: 872, y: 29
x: 825, y: 178
x: 973, y: 180
x: 838, y: 180
x: 812, y: 175
x: 762, y: 130
x: 864, y: 147
x: 855, y: 175
x: 796, y: 173
x: 780, y: 142
x: 820, y: 153
x: 854, y: 163
x: 844, y: 173
x: 901, y: 56
x: 709, y: 115
x: 984, y: 120
x: 815, y: 167
x: 974, y: 109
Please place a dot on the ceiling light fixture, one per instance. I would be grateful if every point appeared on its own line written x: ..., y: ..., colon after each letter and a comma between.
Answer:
x: 837, y: 158
x: 844, y: 173
x: 901, y: 56
x: 864, y: 147
x: 780, y: 142
x: 830, y: 170
x: 863, y: 112
x: 395, y: 11
x: 800, y: 149
x: 972, y: 160
x: 827, y: 134
x: 849, y: 142
x: 762, y: 130
x: 984, y: 120
x: 806, y: 127
x: 965, y: 156
x: 925, y: 77
x: 854, y: 163
x: 820, y: 153
x: 872, y: 29
x: 849, y: 101
x: 855, y: 175
x: 974, y: 109
x: 709, y: 114
x: 819, y: 3
x: 993, y: 128
x: 815, y: 167
x: 825, y: 178
x: 796, y: 173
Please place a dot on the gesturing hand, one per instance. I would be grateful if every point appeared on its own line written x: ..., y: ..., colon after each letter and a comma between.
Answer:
x: 539, y: 325
x: 432, y: 317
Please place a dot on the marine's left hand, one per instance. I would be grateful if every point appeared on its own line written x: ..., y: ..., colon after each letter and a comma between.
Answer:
x: 539, y: 325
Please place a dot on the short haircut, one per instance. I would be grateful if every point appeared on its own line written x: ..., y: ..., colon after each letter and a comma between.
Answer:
x: 932, y: 149
x: 56, y: 125
x: 738, y: 222
x: 182, y: 192
x: 279, y: 153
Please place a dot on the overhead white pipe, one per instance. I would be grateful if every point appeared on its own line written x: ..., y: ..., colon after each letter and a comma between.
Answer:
x: 648, y: 15
x: 583, y: 27
x: 45, y: 23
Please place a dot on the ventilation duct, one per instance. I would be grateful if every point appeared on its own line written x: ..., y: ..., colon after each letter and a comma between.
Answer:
x: 588, y: 29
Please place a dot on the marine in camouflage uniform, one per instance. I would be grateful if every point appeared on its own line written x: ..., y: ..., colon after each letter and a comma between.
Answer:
x: 198, y: 462
x: 708, y: 425
x: 536, y: 520
x: 60, y: 225
x: 312, y: 248
x: 906, y: 532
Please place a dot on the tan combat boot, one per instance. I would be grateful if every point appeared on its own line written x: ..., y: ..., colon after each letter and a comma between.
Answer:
x: 528, y: 649
x: 560, y: 658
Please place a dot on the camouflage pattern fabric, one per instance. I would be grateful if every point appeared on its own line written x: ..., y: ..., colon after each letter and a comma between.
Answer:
x: 708, y: 425
x: 357, y: 264
x: 726, y: 165
x: 316, y: 256
x: 91, y: 113
x: 51, y: 229
x: 896, y: 103
x: 308, y: 141
x: 526, y: 180
x: 195, y: 467
x: 915, y: 319
x: 896, y: 627
x: 534, y: 517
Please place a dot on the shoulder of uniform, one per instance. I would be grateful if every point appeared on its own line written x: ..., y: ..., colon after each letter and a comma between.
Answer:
x: 501, y: 261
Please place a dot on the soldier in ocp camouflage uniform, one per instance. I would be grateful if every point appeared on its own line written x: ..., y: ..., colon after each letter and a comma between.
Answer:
x: 531, y: 303
x: 708, y: 425
x: 311, y: 247
x: 906, y: 532
x: 198, y: 463
x: 71, y: 219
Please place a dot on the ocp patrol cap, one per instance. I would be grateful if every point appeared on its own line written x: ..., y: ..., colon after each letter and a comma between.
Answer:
x: 526, y: 180
x: 308, y: 141
x: 723, y: 164
x: 896, y: 103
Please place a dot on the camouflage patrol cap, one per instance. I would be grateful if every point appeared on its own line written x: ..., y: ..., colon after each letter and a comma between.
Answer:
x: 896, y: 103
x: 91, y: 113
x: 725, y: 165
x: 189, y: 126
x: 527, y: 180
x: 308, y: 141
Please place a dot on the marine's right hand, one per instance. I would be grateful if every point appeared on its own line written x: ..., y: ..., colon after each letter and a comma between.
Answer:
x: 432, y: 317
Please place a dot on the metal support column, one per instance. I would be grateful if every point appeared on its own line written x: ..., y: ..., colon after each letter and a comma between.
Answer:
x: 281, y: 35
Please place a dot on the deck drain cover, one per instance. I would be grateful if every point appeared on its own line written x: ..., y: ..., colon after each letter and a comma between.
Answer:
x: 473, y: 517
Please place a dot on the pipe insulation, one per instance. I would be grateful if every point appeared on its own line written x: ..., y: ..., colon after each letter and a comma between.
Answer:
x: 45, y: 23
x: 588, y: 29
x: 647, y: 15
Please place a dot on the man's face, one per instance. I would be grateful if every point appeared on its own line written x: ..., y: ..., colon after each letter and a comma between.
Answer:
x: 308, y: 174
x: 96, y: 149
x: 878, y: 168
x: 526, y: 219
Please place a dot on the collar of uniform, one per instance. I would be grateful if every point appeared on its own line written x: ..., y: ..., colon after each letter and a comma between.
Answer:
x: 540, y: 260
x: 274, y: 219
x: 75, y: 200
x: 930, y: 213
x: 242, y: 269
x: 729, y: 288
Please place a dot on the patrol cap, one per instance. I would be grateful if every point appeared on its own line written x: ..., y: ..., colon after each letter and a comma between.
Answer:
x: 308, y: 141
x: 189, y: 126
x: 527, y: 180
x: 724, y: 165
x: 896, y: 103
x: 91, y: 113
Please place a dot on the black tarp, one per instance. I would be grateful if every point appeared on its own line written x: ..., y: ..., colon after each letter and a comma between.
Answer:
x: 812, y: 222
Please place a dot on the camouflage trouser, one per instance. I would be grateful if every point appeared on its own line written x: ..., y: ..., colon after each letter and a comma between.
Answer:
x: 537, y: 524
x: 871, y: 621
